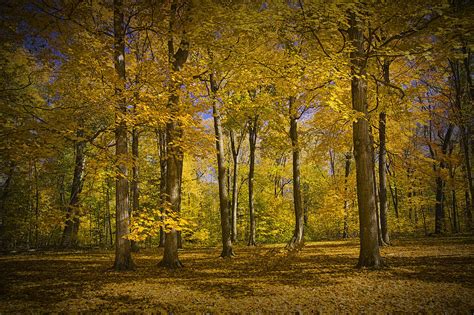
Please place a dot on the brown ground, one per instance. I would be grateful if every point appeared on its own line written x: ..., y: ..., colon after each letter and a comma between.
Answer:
x: 428, y: 275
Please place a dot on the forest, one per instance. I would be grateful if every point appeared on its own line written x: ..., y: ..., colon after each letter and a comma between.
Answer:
x: 236, y: 155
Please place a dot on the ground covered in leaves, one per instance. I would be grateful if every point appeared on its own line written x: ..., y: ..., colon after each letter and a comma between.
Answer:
x: 427, y: 275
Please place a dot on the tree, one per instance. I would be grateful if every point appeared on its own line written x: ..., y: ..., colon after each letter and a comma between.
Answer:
x: 297, y: 240
x: 123, y: 257
x: 227, y: 250
x: 69, y: 238
x: 253, y: 128
x: 174, y: 133
x: 235, y: 144
x: 369, y: 255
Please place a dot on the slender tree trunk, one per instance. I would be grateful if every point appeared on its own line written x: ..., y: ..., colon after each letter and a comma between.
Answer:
x: 468, y: 175
x: 468, y: 207
x: 252, y: 147
x: 227, y: 250
x: 297, y: 241
x: 455, y: 216
x: 174, y: 134
x: 107, y: 209
x: 70, y: 233
x: 123, y: 257
x: 377, y: 210
x: 369, y: 246
x: 383, y: 200
x: 36, y: 204
x: 347, y: 170
x: 163, y: 158
x: 235, y: 148
x: 5, y: 242
x: 135, y: 183
x: 439, y: 208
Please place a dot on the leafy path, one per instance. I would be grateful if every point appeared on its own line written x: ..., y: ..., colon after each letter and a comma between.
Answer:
x: 428, y: 275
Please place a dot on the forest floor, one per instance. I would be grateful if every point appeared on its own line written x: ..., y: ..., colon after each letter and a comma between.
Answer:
x: 433, y: 275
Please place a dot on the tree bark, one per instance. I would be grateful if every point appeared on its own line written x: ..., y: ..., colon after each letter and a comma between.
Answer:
x: 162, y: 152
x: 70, y: 233
x: 235, y: 148
x: 347, y: 170
x: 123, y: 257
x: 369, y: 246
x: 135, y: 183
x: 252, y: 147
x: 227, y: 250
x: 383, y: 200
x: 439, y: 207
x: 297, y: 241
x: 174, y: 134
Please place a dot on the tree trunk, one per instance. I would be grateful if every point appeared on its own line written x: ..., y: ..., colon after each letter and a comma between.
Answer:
x: 227, y: 250
x: 235, y: 148
x: 70, y: 233
x: 383, y: 200
x: 36, y: 226
x: 163, y: 158
x: 369, y: 246
x: 377, y: 210
x: 135, y: 187
x: 347, y: 170
x: 468, y: 175
x: 173, y: 166
x: 5, y: 242
x: 439, y: 208
x: 297, y: 241
x: 466, y: 132
x: 174, y: 134
x: 455, y: 216
x: 123, y: 257
x: 252, y: 146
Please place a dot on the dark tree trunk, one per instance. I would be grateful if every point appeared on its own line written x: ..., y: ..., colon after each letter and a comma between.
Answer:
x: 383, y: 200
x: 70, y: 233
x: 439, y: 207
x: 174, y: 134
x: 347, y: 170
x: 108, y: 223
x: 37, y: 201
x: 163, y: 158
x: 227, y: 250
x: 464, y: 98
x: 393, y: 192
x: 369, y: 246
x: 467, y: 208
x: 466, y: 107
x: 468, y: 174
x: 123, y: 257
x: 252, y: 147
x: 173, y: 166
x: 135, y: 183
x: 377, y: 210
x: 297, y: 241
x: 455, y: 215
x: 235, y: 148
x: 4, y: 243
